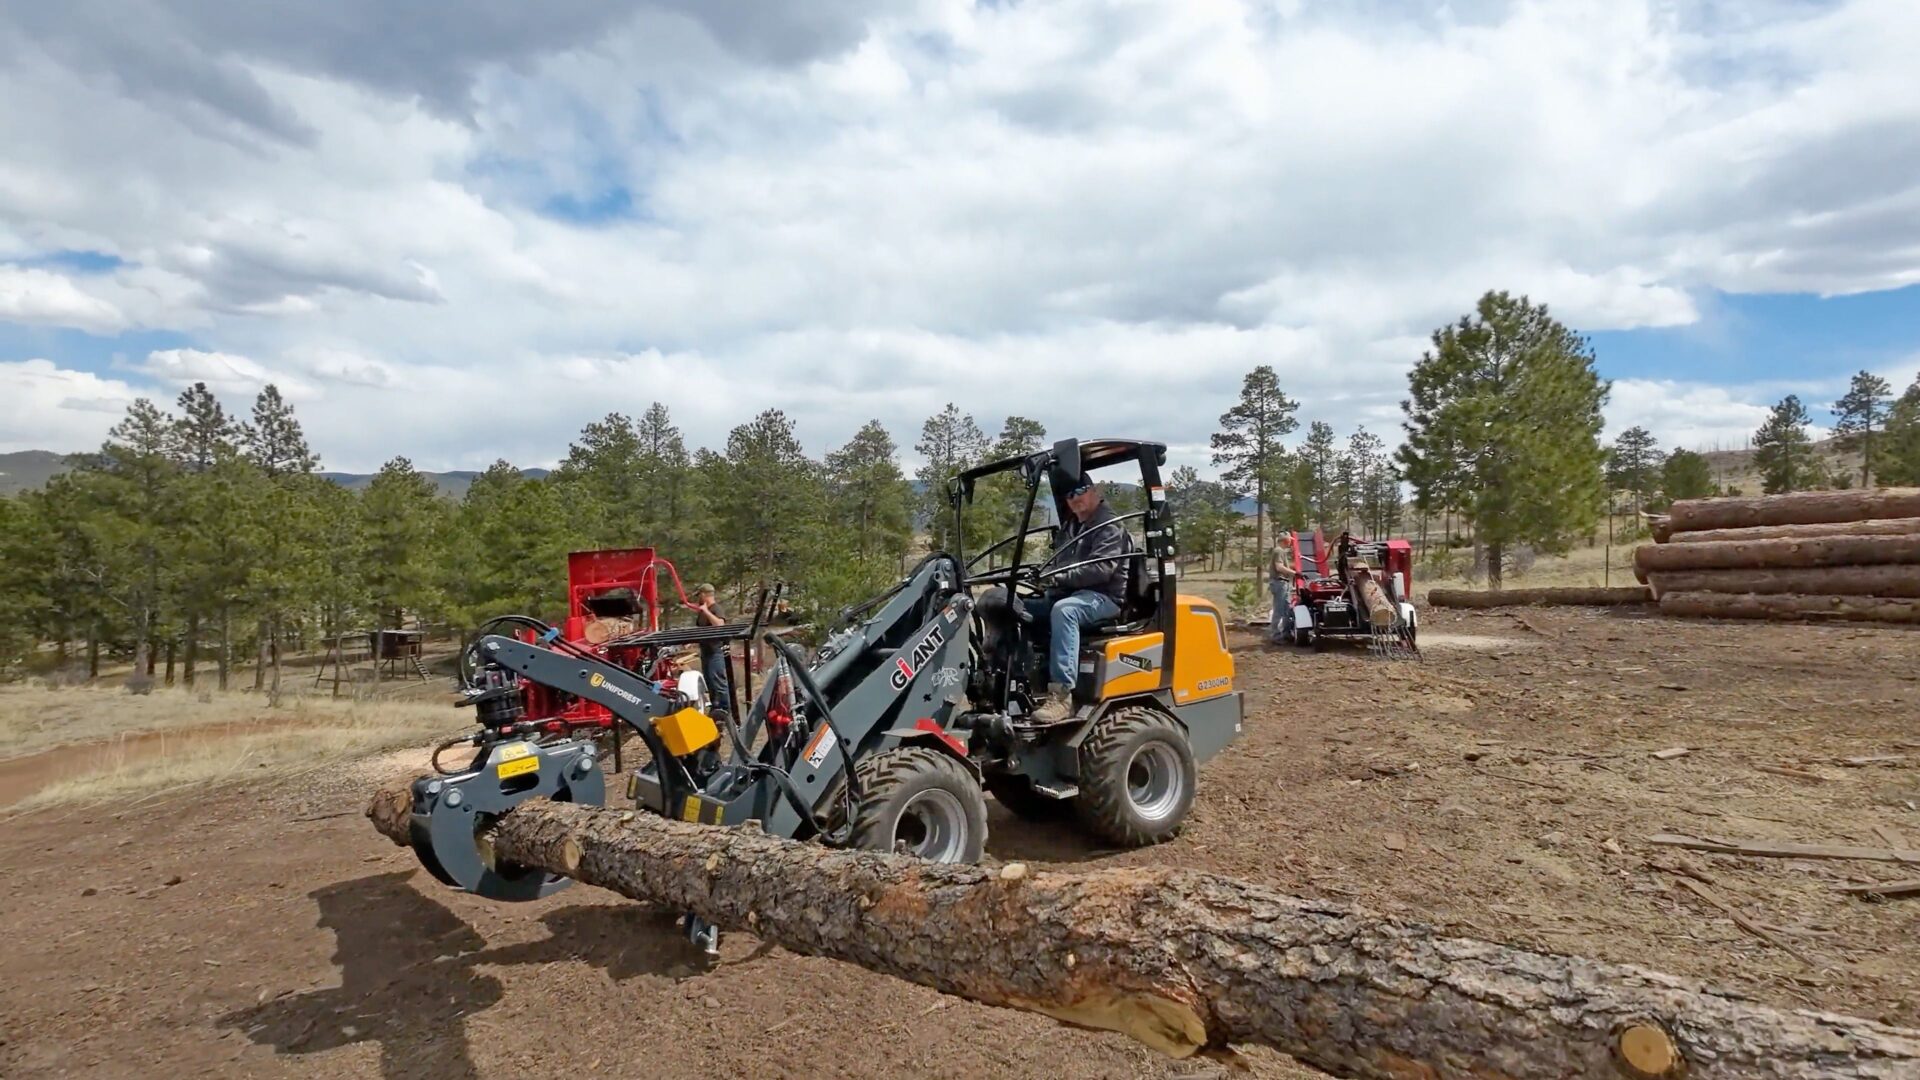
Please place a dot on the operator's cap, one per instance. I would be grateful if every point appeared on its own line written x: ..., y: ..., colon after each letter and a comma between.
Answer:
x: 1068, y: 484
x: 705, y: 586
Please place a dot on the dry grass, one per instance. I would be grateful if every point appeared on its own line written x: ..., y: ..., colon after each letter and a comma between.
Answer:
x: 35, y: 717
x: 120, y: 745
x: 281, y: 752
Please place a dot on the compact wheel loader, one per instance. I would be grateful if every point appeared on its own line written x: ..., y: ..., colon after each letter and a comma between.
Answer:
x: 920, y: 704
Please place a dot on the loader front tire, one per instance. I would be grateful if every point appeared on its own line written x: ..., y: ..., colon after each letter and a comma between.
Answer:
x: 918, y: 801
x: 1136, y: 778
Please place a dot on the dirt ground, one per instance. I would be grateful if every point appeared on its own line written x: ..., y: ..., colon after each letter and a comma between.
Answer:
x: 1502, y: 787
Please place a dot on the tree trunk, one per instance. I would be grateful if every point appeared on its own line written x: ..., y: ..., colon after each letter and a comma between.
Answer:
x: 265, y: 642
x: 1881, y: 527
x: 1790, y: 607
x: 273, y: 691
x: 93, y: 652
x: 1183, y: 960
x: 1496, y: 552
x: 193, y: 647
x: 1758, y: 554
x: 1474, y: 598
x: 226, y: 645
x: 1803, y: 508
x: 171, y: 643
x: 1889, y: 580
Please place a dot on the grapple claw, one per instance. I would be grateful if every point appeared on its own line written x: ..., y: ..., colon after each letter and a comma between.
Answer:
x: 450, y: 811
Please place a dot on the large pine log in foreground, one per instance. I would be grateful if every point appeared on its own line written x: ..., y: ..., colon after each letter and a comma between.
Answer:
x: 1790, y: 607
x: 1184, y: 961
x: 1880, y: 527
x: 1891, y: 580
x: 1800, y: 508
x: 1763, y: 554
x: 1475, y: 598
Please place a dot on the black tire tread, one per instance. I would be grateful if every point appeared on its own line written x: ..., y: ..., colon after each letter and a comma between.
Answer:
x: 883, y: 774
x: 1102, y: 806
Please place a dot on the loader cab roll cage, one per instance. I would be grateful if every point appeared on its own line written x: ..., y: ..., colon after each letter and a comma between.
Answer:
x: 1149, y: 604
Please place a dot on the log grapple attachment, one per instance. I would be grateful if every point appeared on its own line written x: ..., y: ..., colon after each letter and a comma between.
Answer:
x: 451, y: 812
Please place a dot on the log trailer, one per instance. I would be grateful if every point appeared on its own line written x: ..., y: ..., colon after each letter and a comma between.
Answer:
x: 1352, y: 588
x: 919, y: 704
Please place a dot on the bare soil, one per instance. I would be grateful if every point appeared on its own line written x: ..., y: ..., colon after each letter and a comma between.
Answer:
x: 1502, y: 787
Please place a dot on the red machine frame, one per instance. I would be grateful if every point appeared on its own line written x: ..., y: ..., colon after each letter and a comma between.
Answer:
x: 1330, y: 594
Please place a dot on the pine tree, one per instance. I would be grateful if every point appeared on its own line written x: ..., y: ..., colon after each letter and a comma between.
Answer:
x: 1782, y: 451
x: 1202, y: 512
x: 950, y: 441
x: 204, y: 433
x: 604, y: 475
x: 402, y: 518
x: 1249, y: 445
x: 1900, y: 457
x: 872, y: 498
x: 288, y: 570
x: 134, y: 478
x: 670, y: 515
x: 1685, y: 475
x: 1000, y: 500
x: 1321, y: 462
x: 1508, y: 399
x: 1361, y: 467
x: 1633, y: 465
x: 770, y: 505
x: 274, y: 440
x: 506, y: 549
x: 1859, y: 418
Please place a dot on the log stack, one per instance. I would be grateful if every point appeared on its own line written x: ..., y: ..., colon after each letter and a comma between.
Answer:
x: 1849, y: 556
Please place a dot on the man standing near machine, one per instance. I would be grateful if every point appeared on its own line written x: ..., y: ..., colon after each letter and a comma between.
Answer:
x: 1093, y: 548
x: 713, y: 655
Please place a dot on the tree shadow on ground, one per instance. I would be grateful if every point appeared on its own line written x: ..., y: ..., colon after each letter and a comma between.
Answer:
x: 409, y: 973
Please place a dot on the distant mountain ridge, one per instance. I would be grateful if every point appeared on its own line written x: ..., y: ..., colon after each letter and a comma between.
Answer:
x: 29, y: 470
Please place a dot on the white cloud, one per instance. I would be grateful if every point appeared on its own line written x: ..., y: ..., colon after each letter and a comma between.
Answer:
x: 1098, y: 215
x: 36, y: 296
x: 43, y: 405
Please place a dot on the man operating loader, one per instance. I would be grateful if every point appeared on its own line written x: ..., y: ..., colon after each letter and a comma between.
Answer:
x: 1091, y: 550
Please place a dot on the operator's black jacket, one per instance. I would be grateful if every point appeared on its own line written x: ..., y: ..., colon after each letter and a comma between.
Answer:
x: 1098, y: 537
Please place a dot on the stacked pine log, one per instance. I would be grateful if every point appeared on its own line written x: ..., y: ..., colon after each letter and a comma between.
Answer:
x: 1818, y: 555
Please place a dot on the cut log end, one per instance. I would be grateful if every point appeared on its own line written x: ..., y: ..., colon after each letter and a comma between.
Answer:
x: 389, y: 809
x: 1646, y: 1052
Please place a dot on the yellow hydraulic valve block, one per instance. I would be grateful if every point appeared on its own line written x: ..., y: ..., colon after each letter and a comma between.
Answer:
x: 687, y: 731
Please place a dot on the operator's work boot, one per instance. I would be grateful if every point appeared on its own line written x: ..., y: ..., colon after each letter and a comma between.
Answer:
x: 1055, y: 707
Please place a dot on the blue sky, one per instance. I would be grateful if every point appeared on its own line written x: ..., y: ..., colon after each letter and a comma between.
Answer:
x: 463, y: 235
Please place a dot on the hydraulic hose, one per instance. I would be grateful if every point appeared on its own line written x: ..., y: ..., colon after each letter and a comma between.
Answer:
x: 850, y: 794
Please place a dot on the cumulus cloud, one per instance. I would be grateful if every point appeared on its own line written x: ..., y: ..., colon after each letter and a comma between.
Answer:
x: 1099, y: 215
x: 43, y: 405
x: 37, y: 296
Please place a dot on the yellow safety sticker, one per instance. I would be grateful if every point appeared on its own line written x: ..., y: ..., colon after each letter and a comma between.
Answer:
x: 691, y: 810
x: 518, y: 767
x: 512, y: 751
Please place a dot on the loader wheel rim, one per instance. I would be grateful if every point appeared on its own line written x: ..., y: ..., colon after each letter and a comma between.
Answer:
x: 1155, y: 781
x: 933, y: 826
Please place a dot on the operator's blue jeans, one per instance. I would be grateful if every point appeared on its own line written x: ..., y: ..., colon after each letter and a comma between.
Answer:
x: 1063, y: 618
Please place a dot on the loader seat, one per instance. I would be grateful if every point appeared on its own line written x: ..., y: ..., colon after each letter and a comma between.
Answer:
x: 1142, y: 602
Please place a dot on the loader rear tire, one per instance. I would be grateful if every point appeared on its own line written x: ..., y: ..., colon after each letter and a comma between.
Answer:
x: 1017, y: 795
x: 921, y: 802
x: 1136, y: 778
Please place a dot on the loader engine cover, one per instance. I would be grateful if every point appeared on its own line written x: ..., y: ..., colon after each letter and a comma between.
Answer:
x: 449, y: 812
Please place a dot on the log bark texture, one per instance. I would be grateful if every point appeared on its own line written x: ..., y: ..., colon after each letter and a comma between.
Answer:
x: 1475, y: 598
x: 1893, y: 580
x: 1879, y: 527
x: 1800, y: 508
x: 1789, y: 607
x: 1184, y: 961
x: 1767, y: 554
